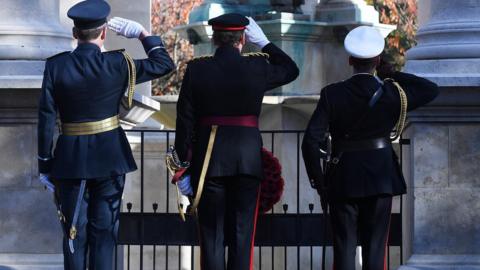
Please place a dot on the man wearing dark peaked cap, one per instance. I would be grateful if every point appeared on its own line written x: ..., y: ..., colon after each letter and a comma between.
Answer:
x: 363, y: 173
x: 87, y: 168
x: 222, y: 95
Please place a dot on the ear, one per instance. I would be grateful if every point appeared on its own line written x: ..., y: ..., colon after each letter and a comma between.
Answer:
x: 104, y: 33
x: 74, y: 33
x: 243, y: 39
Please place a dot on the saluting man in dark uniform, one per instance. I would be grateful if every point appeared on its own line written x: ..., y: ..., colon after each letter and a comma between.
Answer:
x: 92, y: 154
x: 222, y: 94
x: 363, y: 175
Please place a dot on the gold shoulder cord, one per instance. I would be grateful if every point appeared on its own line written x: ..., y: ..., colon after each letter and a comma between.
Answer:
x: 201, y: 57
x: 132, y: 77
x: 266, y: 55
x: 403, y: 113
x: 203, y: 174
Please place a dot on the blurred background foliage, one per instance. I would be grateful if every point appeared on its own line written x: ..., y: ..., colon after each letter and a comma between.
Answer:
x: 166, y: 14
x: 402, y: 13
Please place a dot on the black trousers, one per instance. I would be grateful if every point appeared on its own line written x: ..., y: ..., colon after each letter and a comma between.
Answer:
x: 97, y: 224
x: 365, y: 221
x: 227, y: 216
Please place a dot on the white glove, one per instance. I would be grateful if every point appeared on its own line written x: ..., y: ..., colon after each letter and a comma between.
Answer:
x: 184, y: 186
x: 45, y: 180
x: 255, y: 34
x: 125, y: 27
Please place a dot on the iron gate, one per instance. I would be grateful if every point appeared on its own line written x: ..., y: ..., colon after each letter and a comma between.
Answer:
x: 294, y: 231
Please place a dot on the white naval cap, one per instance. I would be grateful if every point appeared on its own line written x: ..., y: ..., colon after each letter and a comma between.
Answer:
x: 364, y: 42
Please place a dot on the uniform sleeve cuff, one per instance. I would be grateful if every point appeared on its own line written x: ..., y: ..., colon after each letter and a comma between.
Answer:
x: 152, y: 43
x: 264, y: 43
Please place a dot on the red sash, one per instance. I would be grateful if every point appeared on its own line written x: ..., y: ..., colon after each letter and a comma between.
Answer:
x: 242, y: 121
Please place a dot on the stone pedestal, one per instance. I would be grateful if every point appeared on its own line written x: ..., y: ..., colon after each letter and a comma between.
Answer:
x: 346, y: 11
x: 443, y: 212
x: 348, y: 14
x: 212, y: 8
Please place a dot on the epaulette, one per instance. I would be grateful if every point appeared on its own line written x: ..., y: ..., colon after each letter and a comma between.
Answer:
x: 119, y: 50
x: 252, y: 54
x: 203, y: 57
x: 58, y: 54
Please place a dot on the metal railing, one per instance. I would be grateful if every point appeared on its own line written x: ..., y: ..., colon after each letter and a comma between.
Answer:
x: 274, y: 247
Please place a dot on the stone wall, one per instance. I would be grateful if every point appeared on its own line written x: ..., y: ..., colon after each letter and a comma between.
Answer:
x: 443, y: 209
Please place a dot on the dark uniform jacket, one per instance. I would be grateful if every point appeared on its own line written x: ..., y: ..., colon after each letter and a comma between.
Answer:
x: 361, y: 173
x: 88, y: 85
x: 228, y: 84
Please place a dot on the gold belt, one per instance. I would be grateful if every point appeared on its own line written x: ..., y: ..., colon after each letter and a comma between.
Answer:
x: 90, y: 128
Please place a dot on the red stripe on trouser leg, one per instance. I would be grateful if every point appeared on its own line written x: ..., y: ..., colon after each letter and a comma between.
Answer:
x: 253, y: 233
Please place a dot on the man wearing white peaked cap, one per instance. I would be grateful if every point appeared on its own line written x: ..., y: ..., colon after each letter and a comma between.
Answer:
x: 364, y: 42
x: 351, y: 130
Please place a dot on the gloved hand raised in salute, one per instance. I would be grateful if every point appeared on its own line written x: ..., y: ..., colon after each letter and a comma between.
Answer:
x: 255, y: 35
x: 127, y: 28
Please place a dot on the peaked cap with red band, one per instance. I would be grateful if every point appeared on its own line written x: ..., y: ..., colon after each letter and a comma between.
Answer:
x: 229, y: 22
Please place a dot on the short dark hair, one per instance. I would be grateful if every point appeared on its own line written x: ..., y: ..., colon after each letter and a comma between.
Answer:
x: 364, y: 64
x: 223, y: 38
x: 87, y: 34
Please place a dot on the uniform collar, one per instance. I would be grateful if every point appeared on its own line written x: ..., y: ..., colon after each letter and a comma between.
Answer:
x: 227, y: 51
x: 367, y: 75
x: 363, y: 73
x: 87, y: 46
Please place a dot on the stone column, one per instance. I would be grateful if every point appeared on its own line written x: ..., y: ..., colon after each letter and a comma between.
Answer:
x: 350, y: 13
x: 30, y: 233
x: 443, y: 212
x: 31, y: 30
